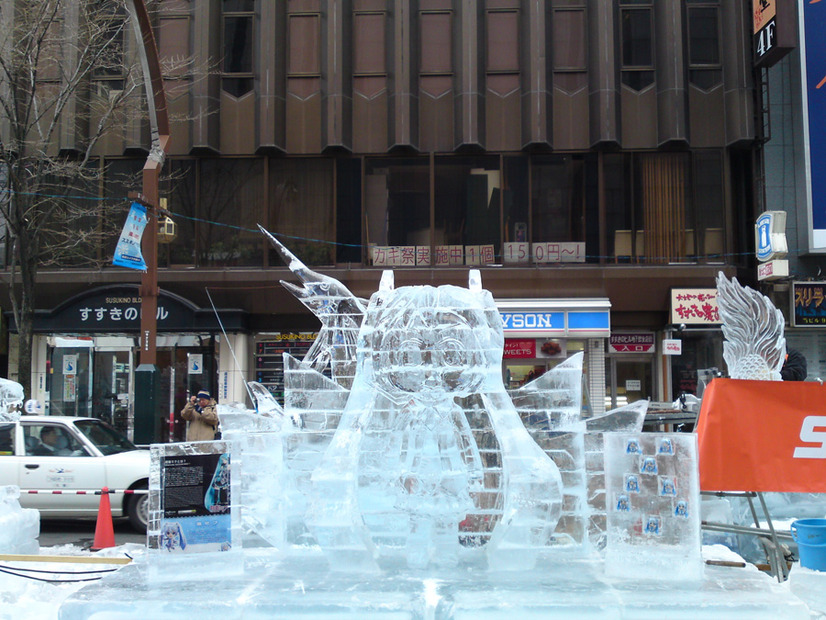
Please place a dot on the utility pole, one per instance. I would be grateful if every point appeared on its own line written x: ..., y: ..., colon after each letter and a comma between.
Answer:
x: 147, y: 380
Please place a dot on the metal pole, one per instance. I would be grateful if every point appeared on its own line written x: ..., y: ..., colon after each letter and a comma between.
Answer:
x: 147, y: 388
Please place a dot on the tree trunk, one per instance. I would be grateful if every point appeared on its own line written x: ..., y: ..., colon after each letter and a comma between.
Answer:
x: 25, y: 322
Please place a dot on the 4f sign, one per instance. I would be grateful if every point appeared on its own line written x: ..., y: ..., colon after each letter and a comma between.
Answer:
x: 809, y: 434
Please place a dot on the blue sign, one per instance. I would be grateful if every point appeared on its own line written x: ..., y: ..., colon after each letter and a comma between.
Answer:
x: 814, y: 18
x: 764, y: 239
x: 534, y: 321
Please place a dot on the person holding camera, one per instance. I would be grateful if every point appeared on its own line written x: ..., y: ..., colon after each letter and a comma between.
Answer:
x: 202, y: 417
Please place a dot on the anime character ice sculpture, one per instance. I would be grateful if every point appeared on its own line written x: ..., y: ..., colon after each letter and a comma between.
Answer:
x: 405, y: 471
x: 403, y: 468
x: 11, y: 398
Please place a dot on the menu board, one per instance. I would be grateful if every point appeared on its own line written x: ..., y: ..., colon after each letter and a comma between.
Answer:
x: 269, y: 357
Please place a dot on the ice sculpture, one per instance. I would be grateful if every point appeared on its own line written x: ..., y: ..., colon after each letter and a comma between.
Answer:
x: 653, y: 492
x: 19, y: 527
x: 403, y: 468
x: 754, y: 346
x: 11, y: 398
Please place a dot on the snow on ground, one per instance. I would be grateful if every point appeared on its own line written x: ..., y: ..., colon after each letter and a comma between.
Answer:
x: 22, y: 598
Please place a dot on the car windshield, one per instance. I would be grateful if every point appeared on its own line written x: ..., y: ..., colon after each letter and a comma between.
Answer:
x: 106, y: 438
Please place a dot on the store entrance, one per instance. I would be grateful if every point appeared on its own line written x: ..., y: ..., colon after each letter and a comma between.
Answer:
x: 631, y: 378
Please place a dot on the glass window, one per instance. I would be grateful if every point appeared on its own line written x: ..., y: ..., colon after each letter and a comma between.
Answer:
x: 238, y: 24
x: 51, y: 440
x: 708, y: 206
x: 436, y: 57
x: 106, y: 439
x: 468, y: 208
x: 557, y: 199
x: 569, y: 40
x: 705, y: 70
x: 397, y: 207
x: 231, y: 204
x: 301, y: 208
x: 7, y: 439
x: 304, y: 45
x: 179, y: 187
x: 637, y: 44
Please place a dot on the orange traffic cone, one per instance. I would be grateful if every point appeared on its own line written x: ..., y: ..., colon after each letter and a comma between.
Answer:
x: 104, y: 530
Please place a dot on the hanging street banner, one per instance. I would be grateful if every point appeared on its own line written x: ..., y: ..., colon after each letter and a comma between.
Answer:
x: 128, y: 251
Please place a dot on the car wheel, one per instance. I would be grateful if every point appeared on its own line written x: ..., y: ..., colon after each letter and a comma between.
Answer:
x: 138, y: 511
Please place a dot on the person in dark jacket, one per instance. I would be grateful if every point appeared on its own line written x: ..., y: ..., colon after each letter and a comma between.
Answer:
x: 794, y: 368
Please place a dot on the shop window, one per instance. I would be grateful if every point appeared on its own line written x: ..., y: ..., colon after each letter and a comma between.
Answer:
x: 348, y: 210
x: 231, y: 204
x: 570, y: 49
x: 663, y: 198
x: 301, y: 208
x: 704, y: 67
x: 515, y: 199
x: 435, y: 49
x: 637, y: 39
x: 237, y: 66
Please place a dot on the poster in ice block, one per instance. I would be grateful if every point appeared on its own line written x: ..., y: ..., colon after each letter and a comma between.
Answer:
x: 653, y: 494
x: 192, y: 488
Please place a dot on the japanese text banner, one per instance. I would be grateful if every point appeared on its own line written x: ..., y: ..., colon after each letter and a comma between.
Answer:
x: 128, y: 251
x: 763, y: 436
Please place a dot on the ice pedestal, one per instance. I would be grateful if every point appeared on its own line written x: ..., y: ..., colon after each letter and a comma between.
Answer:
x: 307, y: 589
x: 810, y: 587
x: 19, y: 527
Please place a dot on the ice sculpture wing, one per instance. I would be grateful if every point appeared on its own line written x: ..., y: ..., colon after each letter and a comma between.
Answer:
x: 338, y: 309
x: 754, y: 346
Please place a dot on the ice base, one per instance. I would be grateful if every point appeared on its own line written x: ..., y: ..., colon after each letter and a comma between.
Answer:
x: 306, y: 588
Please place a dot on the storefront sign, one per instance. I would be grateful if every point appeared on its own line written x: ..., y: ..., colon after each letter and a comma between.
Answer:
x: 770, y: 235
x: 773, y: 269
x: 633, y: 385
x: 516, y: 252
x: 520, y: 348
x: 631, y: 343
x: 696, y: 306
x: 773, y: 30
x: 809, y: 304
x: 117, y: 309
x: 672, y: 347
x: 534, y: 321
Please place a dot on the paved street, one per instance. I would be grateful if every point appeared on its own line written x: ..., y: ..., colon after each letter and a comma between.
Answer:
x: 81, y: 532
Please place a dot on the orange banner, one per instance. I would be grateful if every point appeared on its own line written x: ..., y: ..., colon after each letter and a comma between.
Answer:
x: 763, y: 436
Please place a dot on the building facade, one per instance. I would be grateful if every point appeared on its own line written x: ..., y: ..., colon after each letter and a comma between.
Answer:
x: 589, y: 157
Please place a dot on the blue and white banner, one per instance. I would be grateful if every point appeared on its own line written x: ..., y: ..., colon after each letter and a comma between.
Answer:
x: 128, y: 251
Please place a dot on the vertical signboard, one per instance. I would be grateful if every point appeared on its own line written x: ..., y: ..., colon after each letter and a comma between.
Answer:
x: 773, y: 32
x: 813, y: 74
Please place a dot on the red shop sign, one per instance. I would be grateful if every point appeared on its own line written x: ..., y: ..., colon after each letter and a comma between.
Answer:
x: 519, y: 348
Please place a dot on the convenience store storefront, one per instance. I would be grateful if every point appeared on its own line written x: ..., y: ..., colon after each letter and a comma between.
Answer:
x: 541, y: 333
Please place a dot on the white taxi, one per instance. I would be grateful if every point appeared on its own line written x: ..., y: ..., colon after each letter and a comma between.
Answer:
x: 66, y: 459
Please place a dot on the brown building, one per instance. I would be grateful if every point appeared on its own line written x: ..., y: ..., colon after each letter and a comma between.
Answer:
x: 588, y: 156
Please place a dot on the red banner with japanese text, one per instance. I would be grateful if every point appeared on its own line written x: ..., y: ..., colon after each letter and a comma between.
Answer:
x: 763, y: 436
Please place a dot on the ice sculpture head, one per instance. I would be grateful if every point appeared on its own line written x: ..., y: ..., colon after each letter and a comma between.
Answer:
x: 426, y: 344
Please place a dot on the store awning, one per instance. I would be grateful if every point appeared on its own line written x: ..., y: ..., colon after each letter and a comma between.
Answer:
x: 567, y: 318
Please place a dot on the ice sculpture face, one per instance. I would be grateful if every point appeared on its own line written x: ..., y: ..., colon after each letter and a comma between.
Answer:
x: 424, y: 351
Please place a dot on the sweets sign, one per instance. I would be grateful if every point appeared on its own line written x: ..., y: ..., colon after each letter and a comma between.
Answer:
x: 696, y: 306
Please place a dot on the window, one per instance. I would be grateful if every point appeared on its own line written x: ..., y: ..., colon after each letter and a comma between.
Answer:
x: 51, y: 440
x: 557, y: 199
x: 436, y: 57
x: 570, y: 49
x: 109, y: 70
x: 173, y: 36
x: 369, y: 53
x: 502, y: 49
x: 238, y: 24
x: 636, y: 19
x: 704, y: 68
x: 7, y: 439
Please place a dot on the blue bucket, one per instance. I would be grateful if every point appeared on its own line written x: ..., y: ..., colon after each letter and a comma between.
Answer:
x: 810, y: 536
